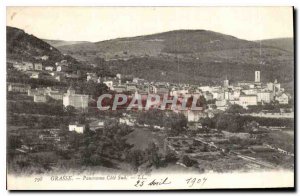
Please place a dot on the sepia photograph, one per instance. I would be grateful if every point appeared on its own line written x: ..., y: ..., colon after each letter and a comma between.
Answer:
x: 150, y: 98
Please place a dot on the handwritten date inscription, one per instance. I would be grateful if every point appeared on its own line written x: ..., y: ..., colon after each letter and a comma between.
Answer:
x: 154, y: 182
x: 190, y: 182
x: 196, y: 181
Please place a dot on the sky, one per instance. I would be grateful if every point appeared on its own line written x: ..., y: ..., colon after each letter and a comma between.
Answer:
x: 103, y: 23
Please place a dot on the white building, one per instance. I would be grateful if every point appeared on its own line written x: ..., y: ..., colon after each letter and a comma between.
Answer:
x: 222, y: 104
x: 28, y: 65
x: 39, y: 98
x: 178, y: 93
x: 98, y: 124
x: 35, y: 75
x: 193, y: 115
x: 56, y: 95
x: 49, y: 68
x: 270, y: 86
x: 226, y: 83
x: 38, y: 66
x: 264, y: 96
x: 138, y: 80
x: 61, y: 68
x: 227, y: 95
x: 37, y: 91
x: 132, y: 87
x: 282, y: 98
x: 78, y: 128
x: 208, y: 96
x: 277, y: 87
x: 92, y: 76
x: 274, y: 87
x: 246, y: 100
x: 118, y: 76
x: 45, y: 57
x: 218, y: 94
x: 205, y: 88
x: 16, y: 87
x: 126, y: 121
x: 250, y: 91
x: 76, y: 100
x: 109, y: 84
x: 19, y: 66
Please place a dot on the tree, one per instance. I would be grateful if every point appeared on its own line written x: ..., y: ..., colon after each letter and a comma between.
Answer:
x: 207, y: 122
x: 94, y: 89
x: 14, y: 142
x: 70, y: 110
x: 236, y: 109
x: 154, y: 157
x: 175, y: 122
x: 235, y: 140
x: 251, y: 126
x: 171, y: 157
x: 82, y: 119
x: 188, y: 162
x: 229, y: 122
x: 136, y: 158
x: 201, y: 102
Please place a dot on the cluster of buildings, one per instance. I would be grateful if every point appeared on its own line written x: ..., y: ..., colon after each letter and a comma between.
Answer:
x: 245, y: 93
x: 137, y: 85
x: 70, y: 98
x: 17, y: 87
x: 58, y: 72
x: 28, y: 66
x: 99, y: 124
x: 42, y: 94
x: 51, y: 135
x: 61, y: 66
x: 45, y: 140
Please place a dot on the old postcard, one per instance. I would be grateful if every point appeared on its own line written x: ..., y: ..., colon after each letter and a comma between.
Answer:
x: 150, y: 98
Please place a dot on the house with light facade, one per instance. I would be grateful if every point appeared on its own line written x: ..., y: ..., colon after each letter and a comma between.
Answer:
x: 78, y: 101
x: 78, y: 128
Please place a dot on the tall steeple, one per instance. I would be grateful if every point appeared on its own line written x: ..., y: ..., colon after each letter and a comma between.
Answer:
x: 257, y: 76
x: 226, y: 82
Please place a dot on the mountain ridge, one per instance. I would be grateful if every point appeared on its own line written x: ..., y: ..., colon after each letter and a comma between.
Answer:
x: 59, y: 43
x: 26, y: 47
x: 193, y: 56
x: 284, y: 43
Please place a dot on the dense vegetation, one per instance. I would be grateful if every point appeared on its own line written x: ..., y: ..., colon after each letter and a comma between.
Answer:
x: 170, y: 120
x: 194, y: 56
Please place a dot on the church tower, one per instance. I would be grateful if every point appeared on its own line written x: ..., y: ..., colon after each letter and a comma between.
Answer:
x: 226, y: 83
x: 257, y: 76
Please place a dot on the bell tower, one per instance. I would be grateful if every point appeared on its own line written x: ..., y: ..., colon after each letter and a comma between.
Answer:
x: 257, y: 76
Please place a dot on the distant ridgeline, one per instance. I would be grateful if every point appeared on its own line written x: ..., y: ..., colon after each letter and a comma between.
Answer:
x: 24, y: 47
x: 185, y: 56
x: 194, y: 56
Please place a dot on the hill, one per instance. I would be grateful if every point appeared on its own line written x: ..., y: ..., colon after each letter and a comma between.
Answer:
x: 59, y: 43
x: 173, y: 42
x: 196, y: 56
x: 26, y: 47
x: 281, y: 43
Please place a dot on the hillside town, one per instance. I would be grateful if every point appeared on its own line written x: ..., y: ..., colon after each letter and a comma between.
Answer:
x: 242, y: 125
x: 150, y: 98
x: 242, y: 93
